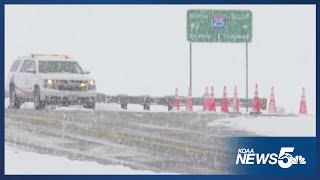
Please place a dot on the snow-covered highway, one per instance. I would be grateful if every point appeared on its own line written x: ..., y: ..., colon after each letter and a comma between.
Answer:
x: 159, y: 142
x: 172, y: 142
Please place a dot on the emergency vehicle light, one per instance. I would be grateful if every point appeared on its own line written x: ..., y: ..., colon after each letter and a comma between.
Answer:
x: 59, y: 55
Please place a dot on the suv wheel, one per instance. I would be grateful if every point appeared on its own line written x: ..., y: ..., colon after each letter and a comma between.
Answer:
x: 124, y: 106
x: 90, y: 105
x: 38, y: 104
x: 14, y: 103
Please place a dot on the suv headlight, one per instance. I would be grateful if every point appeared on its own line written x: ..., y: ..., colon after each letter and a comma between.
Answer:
x: 49, y: 83
x: 92, y: 85
x: 92, y: 82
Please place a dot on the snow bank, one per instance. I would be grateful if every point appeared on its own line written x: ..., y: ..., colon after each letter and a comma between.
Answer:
x: 22, y: 162
x: 105, y: 107
x: 272, y: 125
x: 27, y: 105
x: 131, y: 108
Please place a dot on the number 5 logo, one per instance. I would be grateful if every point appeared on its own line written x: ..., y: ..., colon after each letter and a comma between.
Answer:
x: 285, y: 159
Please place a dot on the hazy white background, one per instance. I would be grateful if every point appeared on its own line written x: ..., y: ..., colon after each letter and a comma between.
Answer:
x: 137, y: 49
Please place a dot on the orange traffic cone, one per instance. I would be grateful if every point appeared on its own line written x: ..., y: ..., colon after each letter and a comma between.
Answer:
x: 224, y: 101
x: 212, y: 105
x: 176, y: 102
x: 256, y: 101
x: 189, y: 103
x: 303, y: 104
x: 272, y: 103
x: 235, y: 104
x: 206, y: 100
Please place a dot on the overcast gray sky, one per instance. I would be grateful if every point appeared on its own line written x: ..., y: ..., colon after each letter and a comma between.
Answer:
x: 142, y: 49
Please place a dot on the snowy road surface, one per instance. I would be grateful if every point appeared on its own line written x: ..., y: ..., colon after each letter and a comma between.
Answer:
x: 23, y: 162
x: 184, y: 143
x: 158, y: 142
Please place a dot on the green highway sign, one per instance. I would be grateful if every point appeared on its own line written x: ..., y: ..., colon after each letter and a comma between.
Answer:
x: 234, y: 26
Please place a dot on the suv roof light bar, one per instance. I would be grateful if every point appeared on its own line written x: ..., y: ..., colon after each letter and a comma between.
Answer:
x: 59, y: 55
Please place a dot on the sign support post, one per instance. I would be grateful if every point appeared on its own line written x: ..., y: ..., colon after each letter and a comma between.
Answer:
x: 190, y: 65
x: 247, y: 101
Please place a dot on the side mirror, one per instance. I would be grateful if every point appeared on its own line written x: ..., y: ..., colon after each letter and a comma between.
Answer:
x: 31, y: 70
x: 86, y: 72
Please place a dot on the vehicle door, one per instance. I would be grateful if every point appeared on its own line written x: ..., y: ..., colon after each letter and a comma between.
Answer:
x: 14, y: 68
x: 24, y: 79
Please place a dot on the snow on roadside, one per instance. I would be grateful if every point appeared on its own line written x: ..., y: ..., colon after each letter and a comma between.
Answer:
x: 131, y: 108
x: 27, y: 105
x: 104, y: 107
x: 22, y: 162
x: 272, y: 125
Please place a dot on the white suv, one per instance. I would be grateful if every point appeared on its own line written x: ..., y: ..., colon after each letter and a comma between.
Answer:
x: 50, y: 79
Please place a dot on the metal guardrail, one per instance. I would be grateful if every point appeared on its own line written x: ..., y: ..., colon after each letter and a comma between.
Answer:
x: 146, y: 100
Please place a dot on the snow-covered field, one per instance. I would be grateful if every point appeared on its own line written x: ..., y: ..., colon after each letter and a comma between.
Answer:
x: 21, y: 162
x: 272, y: 125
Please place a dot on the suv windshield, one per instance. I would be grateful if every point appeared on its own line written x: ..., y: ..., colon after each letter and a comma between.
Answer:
x: 59, y: 67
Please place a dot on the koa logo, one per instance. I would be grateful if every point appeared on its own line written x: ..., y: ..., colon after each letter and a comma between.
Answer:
x: 284, y: 158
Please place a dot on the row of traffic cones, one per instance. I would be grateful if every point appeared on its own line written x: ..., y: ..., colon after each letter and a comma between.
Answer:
x: 209, y: 103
